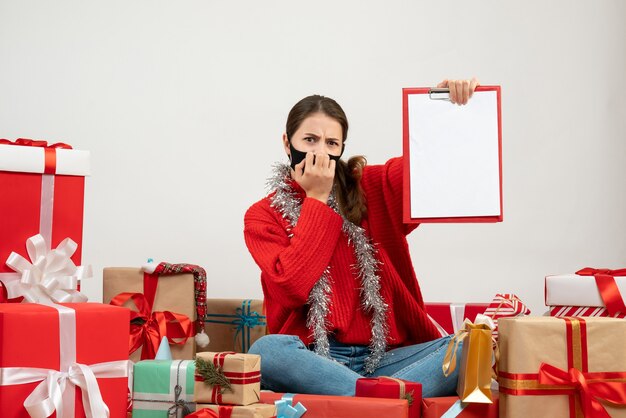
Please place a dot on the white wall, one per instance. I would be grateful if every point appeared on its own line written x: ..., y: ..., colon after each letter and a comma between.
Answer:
x: 182, y: 104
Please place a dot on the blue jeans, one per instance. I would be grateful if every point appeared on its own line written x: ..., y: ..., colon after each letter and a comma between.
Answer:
x: 287, y: 365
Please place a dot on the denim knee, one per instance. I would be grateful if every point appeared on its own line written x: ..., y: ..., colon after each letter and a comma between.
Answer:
x: 274, y: 350
x: 270, y: 344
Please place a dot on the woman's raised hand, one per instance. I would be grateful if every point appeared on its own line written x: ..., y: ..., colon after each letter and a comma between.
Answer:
x: 460, y: 90
x: 315, y: 174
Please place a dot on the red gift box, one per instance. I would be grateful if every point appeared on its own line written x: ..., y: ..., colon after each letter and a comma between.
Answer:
x: 39, y: 341
x: 437, y: 407
x: 322, y: 406
x: 451, y: 315
x: 392, y: 388
x: 42, y: 193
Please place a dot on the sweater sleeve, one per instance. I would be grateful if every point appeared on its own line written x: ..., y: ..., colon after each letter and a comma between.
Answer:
x: 383, y: 186
x: 292, y: 265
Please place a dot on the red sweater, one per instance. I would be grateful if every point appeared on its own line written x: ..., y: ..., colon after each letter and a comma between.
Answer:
x: 291, y: 266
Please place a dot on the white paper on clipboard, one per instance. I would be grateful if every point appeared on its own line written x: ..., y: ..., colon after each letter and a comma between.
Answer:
x: 454, y: 157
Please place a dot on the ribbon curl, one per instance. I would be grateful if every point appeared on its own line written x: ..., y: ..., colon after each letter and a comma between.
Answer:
x: 588, y: 390
x: 147, y: 328
x: 286, y: 409
x: 50, y: 276
x: 4, y: 295
x: 25, y: 142
x: 180, y: 407
x: 609, y: 292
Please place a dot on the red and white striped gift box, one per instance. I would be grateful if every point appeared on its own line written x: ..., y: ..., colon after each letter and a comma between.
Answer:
x: 583, y: 311
x: 503, y: 306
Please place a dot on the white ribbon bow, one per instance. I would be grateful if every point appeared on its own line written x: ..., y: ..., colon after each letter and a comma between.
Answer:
x: 50, y: 276
x: 48, y: 395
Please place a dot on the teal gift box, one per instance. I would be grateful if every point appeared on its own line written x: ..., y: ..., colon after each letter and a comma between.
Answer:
x: 163, y: 388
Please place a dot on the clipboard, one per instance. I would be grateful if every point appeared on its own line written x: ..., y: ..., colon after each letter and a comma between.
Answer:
x: 452, y: 156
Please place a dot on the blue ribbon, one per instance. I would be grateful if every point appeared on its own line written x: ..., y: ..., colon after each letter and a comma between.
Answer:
x: 243, y: 321
x: 285, y: 408
x: 454, y: 410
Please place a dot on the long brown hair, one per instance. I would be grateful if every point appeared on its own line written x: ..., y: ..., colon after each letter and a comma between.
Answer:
x: 349, y: 193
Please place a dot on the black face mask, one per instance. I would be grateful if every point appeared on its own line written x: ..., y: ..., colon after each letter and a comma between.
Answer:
x: 298, y: 156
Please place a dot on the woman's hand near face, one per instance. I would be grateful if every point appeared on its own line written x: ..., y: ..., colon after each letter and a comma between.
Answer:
x: 317, y: 177
x: 460, y: 90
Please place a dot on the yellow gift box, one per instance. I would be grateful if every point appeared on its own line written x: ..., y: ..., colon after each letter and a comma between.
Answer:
x: 227, y: 378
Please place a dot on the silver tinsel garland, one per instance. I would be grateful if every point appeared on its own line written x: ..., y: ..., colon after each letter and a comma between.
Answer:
x: 287, y: 203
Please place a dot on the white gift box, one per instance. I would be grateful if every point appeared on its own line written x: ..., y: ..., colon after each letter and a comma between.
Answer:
x: 575, y: 290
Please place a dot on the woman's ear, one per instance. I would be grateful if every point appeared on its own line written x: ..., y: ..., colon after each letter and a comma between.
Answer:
x: 286, y: 145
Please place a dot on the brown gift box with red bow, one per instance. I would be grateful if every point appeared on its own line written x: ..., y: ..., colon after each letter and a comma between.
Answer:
x: 562, y: 367
x: 174, y: 293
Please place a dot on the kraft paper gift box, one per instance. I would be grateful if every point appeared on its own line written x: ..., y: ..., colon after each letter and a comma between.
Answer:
x: 234, y: 324
x: 451, y: 316
x: 155, y: 393
x: 69, y: 338
x: 227, y: 378
x: 562, y: 367
x: 322, y: 406
x: 577, y: 294
x: 392, y: 388
x: 256, y: 410
x: 174, y: 293
x: 42, y: 193
x: 451, y: 406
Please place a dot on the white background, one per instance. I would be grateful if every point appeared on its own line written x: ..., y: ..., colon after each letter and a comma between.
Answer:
x: 183, y: 103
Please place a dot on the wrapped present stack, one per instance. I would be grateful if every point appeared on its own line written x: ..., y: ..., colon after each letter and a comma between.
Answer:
x: 163, y: 387
x: 229, y: 384
x: 588, y: 292
x: 42, y: 195
x: 475, y: 386
x: 79, y: 364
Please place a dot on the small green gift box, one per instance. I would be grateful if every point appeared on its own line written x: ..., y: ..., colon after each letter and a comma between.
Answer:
x: 163, y: 388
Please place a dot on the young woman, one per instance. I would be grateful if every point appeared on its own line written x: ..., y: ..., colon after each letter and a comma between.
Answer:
x: 341, y: 295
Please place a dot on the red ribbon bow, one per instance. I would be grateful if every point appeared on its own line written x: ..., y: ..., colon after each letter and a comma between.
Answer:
x: 147, y: 328
x: 609, y: 292
x: 4, y: 296
x: 590, y: 388
x: 25, y: 142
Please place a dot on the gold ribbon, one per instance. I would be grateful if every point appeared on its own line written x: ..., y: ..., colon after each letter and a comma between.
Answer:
x: 400, y: 383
